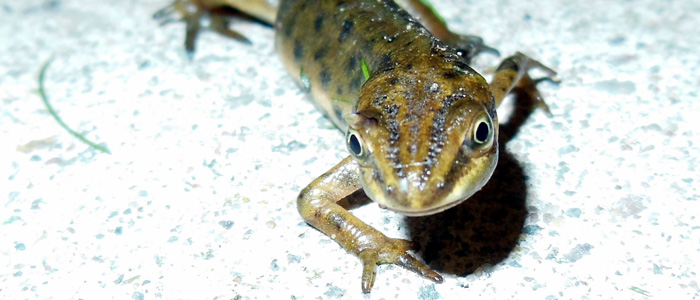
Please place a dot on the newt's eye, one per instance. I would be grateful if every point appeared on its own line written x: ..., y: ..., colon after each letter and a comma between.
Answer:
x: 481, y: 134
x: 355, y: 145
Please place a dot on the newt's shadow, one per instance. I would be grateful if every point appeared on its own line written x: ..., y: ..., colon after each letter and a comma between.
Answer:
x: 485, y: 228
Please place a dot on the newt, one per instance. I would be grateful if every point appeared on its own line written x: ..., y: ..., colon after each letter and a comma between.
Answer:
x: 420, y: 124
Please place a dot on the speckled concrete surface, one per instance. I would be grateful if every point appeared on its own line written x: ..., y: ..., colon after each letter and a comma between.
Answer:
x: 197, y: 199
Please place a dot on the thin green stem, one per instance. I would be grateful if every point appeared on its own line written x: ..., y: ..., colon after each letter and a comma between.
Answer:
x: 53, y: 113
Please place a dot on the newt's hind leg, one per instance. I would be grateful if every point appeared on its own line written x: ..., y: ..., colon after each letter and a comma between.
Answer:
x: 468, y: 46
x: 214, y: 15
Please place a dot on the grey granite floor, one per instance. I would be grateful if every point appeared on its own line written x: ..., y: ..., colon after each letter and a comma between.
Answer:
x: 197, y: 198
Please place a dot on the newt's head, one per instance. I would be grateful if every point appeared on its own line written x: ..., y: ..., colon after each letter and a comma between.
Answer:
x: 424, y: 141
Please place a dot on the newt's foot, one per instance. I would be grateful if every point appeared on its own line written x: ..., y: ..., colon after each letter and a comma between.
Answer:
x: 196, y: 17
x: 392, y: 251
x: 469, y: 46
x: 529, y: 85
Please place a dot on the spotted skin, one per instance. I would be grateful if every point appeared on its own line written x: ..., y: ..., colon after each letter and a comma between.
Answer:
x: 420, y: 123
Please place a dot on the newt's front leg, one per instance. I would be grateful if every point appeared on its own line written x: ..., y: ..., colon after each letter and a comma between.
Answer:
x: 513, y: 72
x: 317, y: 205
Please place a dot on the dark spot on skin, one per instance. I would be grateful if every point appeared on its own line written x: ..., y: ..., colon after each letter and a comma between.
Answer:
x: 392, y: 126
x: 321, y: 53
x: 379, y: 100
x: 290, y: 25
x: 338, y: 112
x: 368, y: 47
x: 298, y: 51
x: 318, y: 24
x: 385, y: 62
x: 325, y: 78
x: 493, y: 108
x: 394, y: 81
x: 450, y: 74
x: 409, y: 67
x: 357, y: 82
x: 436, y: 140
x: 451, y: 99
x: 303, y: 5
x: 336, y: 220
x: 346, y: 30
x: 339, y: 90
x: 409, y: 43
x: 352, y: 64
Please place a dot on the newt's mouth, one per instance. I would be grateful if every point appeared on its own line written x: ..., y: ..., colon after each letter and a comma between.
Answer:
x: 413, y: 197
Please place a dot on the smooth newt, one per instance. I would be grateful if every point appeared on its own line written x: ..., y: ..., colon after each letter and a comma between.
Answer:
x: 420, y: 123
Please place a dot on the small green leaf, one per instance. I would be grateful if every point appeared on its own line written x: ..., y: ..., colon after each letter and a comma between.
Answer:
x: 365, y: 69
x: 638, y: 290
x: 130, y: 280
